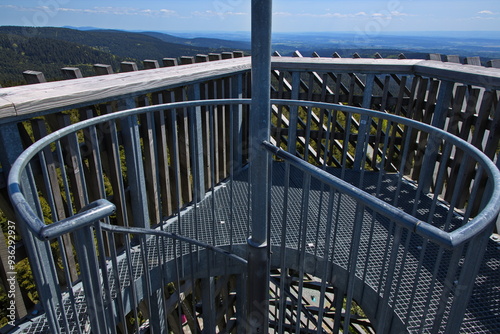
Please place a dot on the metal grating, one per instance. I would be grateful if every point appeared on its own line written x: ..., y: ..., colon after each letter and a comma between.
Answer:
x: 222, y: 218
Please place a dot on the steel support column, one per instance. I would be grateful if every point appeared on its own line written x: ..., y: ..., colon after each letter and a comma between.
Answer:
x: 260, y: 115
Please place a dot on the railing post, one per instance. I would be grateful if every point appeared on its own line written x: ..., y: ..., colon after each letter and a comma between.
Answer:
x: 135, y: 167
x: 258, y: 247
x: 364, y: 126
x: 237, y: 123
x: 39, y: 252
x: 91, y: 280
x: 196, y: 140
x: 438, y: 121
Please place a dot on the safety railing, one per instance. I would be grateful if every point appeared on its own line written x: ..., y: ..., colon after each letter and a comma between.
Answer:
x: 123, y: 252
x: 385, y: 242
x: 360, y: 225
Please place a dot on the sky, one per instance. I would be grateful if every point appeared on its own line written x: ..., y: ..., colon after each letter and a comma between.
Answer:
x: 366, y: 16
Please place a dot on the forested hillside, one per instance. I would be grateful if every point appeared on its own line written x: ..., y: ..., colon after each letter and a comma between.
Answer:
x: 201, y: 42
x: 19, y: 53
x: 49, y: 49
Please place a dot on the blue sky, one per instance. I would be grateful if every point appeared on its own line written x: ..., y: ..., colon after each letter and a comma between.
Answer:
x: 368, y: 16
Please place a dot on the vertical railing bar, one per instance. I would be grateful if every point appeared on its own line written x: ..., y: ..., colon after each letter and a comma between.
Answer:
x: 45, y: 288
x: 318, y: 220
x: 178, y: 281
x: 196, y: 144
x: 401, y: 171
x: 333, y: 115
x: 306, y: 188
x: 389, y: 280
x: 82, y: 175
x: 175, y: 143
x: 386, y: 252
x: 269, y: 233
x: 91, y: 279
x: 346, y: 143
x: 364, y: 124
x: 423, y: 250
x: 382, y: 171
x: 96, y: 151
x: 48, y: 188
x: 329, y: 222
x: 151, y: 150
x: 356, y: 239
x: 207, y: 317
x: 403, y: 263
x: 212, y: 166
x: 161, y: 153
x: 71, y: 293
x: 282, y: 300
x: 369, y: 245
x: 309, y: 112
x: 440, y: 180
x: 63, y: 314
x: 108, y: 301
x: 320, y: 209
x: 456, y: 193
x: 118, y: 285
x: 161, y: 249
x: 135, y: 168
x: 196, y: 148
x: 64, y: 177
x: 339, y: 301
x: 448, y: 285
x: 193, y: 280
x: 232, y: 171
x: 328, y: 113
x: 475, y: 250
x: 475, y: 192
x: 133, y: 293
x: 366, y: 140
x: 294, y: 114
x: 51, y: 201
x: 115, y: 143
x: 249, y: 206
x: 431, y: 288
x: 427, y: 172
x: 337, y: 219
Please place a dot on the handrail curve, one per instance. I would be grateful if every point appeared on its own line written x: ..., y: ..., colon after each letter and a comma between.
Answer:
x: 101, y: 209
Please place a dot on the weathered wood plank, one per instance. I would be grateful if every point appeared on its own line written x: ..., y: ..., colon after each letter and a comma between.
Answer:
x: 7, y: 108
x: 148, y: 135
x: 473, y: 75
x: 183, y: 141
x: 103, y: 69
x: 75, y: 93
x: 71, y: 72
x: 150, y: 64
x: 345, y: 65
x: 163, y: 158
x: 128, y: 66
x: 34, y: 77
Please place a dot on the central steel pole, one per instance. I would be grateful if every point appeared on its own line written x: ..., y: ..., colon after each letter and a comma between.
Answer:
x: 260, y: 118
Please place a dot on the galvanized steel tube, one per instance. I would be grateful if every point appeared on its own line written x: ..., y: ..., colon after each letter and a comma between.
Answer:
x: 258, y: 257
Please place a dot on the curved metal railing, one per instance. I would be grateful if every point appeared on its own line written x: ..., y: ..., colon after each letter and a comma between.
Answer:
x: 43, y: 189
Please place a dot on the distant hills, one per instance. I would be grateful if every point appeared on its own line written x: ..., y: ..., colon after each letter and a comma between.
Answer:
x: 49, y: 49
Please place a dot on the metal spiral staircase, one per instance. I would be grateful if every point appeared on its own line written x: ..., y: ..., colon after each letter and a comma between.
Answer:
x: 357, y: 225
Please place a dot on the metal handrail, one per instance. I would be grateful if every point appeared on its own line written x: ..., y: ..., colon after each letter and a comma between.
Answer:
x: 92, y: 214
x: 447, y: 239
x: 103, y: 208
